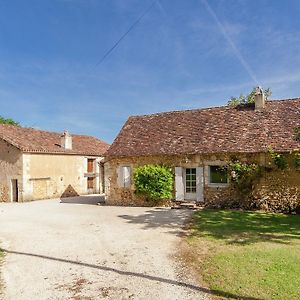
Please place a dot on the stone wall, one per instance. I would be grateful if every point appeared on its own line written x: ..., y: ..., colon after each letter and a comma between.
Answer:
x: 279, y: 191
x: 116, y: 195
x: 10, y: 168
x: 275, y: 190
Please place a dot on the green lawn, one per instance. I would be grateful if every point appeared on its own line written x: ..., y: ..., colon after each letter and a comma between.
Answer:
x: 247, y: 255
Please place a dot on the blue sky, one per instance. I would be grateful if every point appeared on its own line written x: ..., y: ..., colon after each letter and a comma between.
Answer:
x: 182, y: 55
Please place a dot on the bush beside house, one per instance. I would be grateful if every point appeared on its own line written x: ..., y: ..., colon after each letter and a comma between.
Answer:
x: 154, y: 182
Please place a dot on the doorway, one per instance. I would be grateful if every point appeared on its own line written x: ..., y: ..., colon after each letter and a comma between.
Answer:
x: 14, y: 190
x: 90, y: 185
x: 190, y: 184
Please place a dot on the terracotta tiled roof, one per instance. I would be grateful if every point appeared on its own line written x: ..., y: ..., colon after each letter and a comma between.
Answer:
x: 33, y: 140
x: 210, y: 130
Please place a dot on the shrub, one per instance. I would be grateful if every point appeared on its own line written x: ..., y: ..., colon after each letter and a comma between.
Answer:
x: 154, y: 182
x: 279, y: 160
x: 297, y: 160
x: 297, y: 133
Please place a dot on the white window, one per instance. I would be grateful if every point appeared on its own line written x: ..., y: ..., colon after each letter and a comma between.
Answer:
x: 124, y: 176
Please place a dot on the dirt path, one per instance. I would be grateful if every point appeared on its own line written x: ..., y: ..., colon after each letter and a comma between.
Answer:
x: 79, y: 251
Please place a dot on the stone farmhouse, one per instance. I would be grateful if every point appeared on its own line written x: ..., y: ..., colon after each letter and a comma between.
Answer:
x: 37, y: 164
x: 198, y: 143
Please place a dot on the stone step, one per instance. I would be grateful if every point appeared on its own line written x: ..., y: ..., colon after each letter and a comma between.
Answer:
x: 189, y: 205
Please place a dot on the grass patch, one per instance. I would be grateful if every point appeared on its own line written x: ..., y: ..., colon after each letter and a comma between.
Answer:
x: 247, y: 255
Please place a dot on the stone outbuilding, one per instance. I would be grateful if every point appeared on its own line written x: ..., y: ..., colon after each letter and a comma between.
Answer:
x: 198, y: 143
x: 36, y: 164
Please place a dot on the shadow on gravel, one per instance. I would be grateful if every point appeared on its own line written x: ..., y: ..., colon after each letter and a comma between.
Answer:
x: 171, y: 219
x: 88, y: 199
x: 140, y: 275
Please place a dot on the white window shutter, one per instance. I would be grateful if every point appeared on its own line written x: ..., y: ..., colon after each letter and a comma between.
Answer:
x: 199, y: 184
x: 179, y: 185
x: 126, y: 176
x: 120, y: 177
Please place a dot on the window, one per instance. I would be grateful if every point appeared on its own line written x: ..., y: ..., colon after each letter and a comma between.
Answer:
x: 124, y: 176
x: 218, y: 175
x: 190, y: 180
x: 90, y: 165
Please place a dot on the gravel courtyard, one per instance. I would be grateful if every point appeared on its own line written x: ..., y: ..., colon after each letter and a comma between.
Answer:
x: 79, y: 250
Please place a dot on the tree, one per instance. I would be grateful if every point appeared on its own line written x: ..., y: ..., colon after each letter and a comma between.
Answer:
x: 8, y: 121
x: 248, y: 99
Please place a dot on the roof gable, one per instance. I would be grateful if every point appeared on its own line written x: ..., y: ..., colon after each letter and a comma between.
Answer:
x: 33, y: 140
x: 210, y: 130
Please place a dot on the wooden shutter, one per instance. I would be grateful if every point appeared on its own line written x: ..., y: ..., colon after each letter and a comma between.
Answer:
x: 199, y: 184
x: 179, y: 184
x: 90, y: 166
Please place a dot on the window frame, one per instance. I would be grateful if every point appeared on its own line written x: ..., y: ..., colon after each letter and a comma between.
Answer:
x: 216, y: 184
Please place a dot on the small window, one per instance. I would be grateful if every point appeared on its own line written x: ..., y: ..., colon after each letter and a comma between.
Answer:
x: 218, y: 175
x: 125, y: 176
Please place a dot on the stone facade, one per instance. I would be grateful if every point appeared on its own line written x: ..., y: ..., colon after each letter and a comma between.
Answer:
x: 116, y: 195
x: 275, y: 189
x: 10, y: 169
x: 45, y: 176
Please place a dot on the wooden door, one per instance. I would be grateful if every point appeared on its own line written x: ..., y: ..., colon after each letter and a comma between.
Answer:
x: 90, y: 183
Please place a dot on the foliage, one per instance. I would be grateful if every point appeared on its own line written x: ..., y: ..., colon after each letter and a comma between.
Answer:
x: 247, y: 99
x: 243, y: 175
x: 279, y: 160
x: 155, y: 182
x: 297, y: 133
x: 297, y: 160
x: 246, y: 255
x: 8, y: 121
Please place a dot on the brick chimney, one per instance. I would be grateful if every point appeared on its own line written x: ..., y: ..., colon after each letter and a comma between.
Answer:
x: 66, y: 140
x: 260, y: 99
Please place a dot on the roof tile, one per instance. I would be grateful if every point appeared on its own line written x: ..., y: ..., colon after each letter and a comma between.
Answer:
x: 210, y: 130
x: 33, y: 140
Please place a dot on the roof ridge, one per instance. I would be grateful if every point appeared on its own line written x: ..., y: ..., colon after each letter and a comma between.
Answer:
x: 51, y: 132
x: 205, y: 108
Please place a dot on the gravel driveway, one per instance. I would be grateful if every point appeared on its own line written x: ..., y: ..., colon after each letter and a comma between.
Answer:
x: 77, y: 250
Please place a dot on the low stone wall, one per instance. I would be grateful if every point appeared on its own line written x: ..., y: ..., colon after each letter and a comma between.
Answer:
x: 278, y: 191
x: 4, y: 193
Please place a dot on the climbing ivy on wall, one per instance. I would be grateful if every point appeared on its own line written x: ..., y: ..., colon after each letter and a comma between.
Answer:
x: 243, y: 175
x: 279, y: 160
x: 297, y: 133
x: 297, y: 160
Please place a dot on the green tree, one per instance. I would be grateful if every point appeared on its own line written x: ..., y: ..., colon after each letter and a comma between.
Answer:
x: 8, y: 121
x: 247, y: 99
x: 154, y: 182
